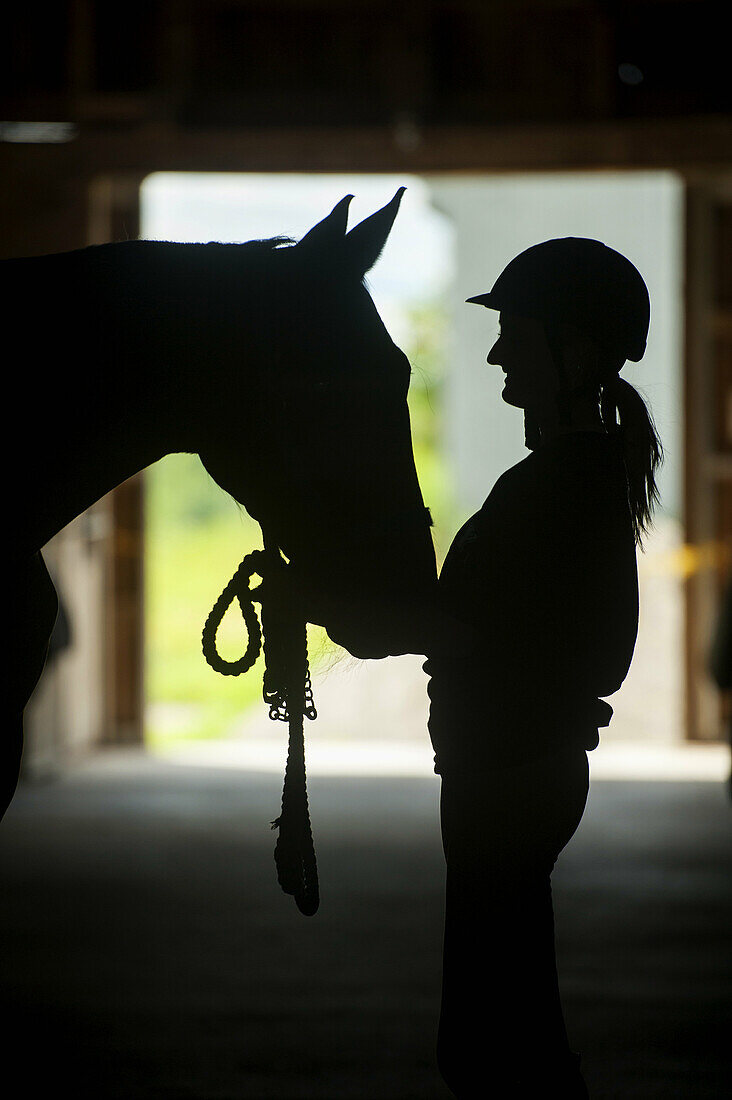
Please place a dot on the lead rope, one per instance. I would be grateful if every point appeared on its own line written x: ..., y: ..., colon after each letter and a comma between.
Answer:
x: 288, y: 692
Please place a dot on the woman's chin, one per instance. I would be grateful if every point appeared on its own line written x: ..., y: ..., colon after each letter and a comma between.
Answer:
x: 512, y: 398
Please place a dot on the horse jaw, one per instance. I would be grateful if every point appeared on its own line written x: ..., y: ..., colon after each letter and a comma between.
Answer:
x: 373, y: 630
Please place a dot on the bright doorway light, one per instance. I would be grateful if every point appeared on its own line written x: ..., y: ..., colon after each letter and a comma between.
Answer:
x: 452, y: 237
x: 195, y: 535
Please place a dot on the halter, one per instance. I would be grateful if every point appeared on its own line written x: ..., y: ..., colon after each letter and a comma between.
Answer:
x: 287, y: 691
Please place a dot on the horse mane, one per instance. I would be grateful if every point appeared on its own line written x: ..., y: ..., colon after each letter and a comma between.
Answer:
x: 266, y: 245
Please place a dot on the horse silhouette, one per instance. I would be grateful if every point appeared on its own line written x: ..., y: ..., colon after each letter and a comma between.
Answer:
x: 267, y: 359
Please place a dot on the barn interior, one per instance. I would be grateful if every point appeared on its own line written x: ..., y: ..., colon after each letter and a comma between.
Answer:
x: 149, y: 952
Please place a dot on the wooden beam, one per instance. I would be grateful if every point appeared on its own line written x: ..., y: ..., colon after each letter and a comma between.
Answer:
x: 689, y: 145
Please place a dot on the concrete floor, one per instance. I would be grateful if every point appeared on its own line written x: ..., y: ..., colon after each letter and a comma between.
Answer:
x: 148, y: 952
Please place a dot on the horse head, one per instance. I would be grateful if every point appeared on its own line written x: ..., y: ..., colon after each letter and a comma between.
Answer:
x: 325, y: 461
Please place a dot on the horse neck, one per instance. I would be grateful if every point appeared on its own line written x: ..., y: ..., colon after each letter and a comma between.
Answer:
x: 119, y: 406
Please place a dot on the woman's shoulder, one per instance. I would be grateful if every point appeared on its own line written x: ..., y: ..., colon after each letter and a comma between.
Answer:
x: 567, y: 458
x: 566, y: 481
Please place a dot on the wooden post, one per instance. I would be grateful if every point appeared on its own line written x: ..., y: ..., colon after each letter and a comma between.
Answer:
x: 708, y: 439
x: 115, y: 215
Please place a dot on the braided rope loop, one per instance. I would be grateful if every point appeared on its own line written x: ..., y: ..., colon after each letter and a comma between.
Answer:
x: 288, y: 693
x: 238, y: 587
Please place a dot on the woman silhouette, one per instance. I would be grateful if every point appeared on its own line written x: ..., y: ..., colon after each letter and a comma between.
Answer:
x: 544, y: 576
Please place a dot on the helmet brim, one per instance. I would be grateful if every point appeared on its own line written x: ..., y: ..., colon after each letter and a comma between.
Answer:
x: 482, y: 300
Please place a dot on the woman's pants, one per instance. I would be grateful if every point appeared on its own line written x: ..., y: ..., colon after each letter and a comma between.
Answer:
x: 501, y: 1026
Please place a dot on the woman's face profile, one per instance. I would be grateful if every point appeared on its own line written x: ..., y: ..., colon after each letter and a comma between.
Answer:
x: 523, y: 353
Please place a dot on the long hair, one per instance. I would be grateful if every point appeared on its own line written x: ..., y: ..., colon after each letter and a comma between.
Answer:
x: 625, y: 413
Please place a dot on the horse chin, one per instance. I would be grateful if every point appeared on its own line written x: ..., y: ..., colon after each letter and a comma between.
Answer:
x: 372, y: 636
x: 370, y: 629
x: 352, y: 634
x: 358, y: 646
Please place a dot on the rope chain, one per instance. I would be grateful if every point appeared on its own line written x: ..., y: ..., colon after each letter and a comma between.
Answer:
x: 287, y: 690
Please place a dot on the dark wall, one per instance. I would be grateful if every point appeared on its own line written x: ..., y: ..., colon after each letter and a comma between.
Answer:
x: 365, y: 62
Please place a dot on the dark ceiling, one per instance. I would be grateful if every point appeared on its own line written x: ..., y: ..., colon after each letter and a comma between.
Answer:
x: 229, y: 63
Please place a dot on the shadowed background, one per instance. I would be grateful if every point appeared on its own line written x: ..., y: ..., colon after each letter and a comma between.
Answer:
x: 146, y: 945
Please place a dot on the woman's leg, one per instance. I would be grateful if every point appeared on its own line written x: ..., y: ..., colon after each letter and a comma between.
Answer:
x: 501, y: 1018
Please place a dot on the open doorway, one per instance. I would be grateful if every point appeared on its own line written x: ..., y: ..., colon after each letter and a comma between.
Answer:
x: 641, y: 215
x: 453, y: 235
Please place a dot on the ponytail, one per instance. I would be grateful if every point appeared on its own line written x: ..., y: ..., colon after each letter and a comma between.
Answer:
x: 640, y: 445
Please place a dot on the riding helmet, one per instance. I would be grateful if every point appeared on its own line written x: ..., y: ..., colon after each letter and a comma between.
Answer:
x: 578, y: 281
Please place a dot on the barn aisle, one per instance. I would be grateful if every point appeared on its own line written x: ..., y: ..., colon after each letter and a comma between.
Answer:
x: 148, y: 953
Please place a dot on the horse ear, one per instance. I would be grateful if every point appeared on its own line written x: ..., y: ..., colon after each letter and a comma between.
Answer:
x: 331, y: 230
x: 365, y: 242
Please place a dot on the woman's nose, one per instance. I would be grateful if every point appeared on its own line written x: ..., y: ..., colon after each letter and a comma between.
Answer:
x: 493, y: 357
